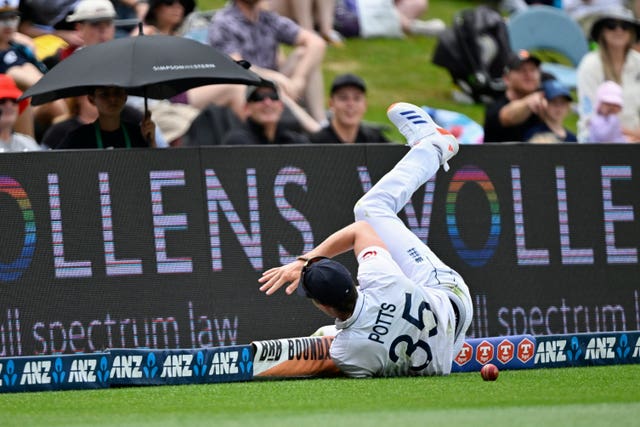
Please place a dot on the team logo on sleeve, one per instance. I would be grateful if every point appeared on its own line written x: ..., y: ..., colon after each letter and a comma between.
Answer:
x: 369, y: 254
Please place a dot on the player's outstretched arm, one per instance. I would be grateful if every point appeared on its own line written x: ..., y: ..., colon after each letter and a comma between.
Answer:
x: 356, y: 236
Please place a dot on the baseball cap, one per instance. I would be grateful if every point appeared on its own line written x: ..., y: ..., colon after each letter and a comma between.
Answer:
x: 516, y: 59
x: 9, y: 8
x: 348, y: 80
x: 8, y: 89
x: 553, y: 89
x: 609, y: 92
x: 92, y: 11
x: 326, y: 281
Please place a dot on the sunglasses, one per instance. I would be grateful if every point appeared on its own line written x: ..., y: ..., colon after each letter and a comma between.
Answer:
x: 261, y: 96
x: 612, y: 24
x: 307, y: 264
x: 10, y: 100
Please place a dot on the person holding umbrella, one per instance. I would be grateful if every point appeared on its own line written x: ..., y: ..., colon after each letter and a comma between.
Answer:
x: 167, y: 17
x: 109, y: 130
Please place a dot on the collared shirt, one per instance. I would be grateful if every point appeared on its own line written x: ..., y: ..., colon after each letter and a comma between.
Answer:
x: 366, y: 134
x: 257, y: 42
x: 397, y: 328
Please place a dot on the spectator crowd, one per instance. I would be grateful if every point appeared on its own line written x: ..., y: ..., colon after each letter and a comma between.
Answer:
x: 293, y: 105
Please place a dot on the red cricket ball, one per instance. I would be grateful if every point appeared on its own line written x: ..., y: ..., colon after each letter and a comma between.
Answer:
x: 489, y: 372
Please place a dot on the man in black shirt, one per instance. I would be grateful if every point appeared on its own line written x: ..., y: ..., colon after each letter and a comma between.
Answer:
x: 348, y: 103
x: 264, y: 110
x: 511, y: 115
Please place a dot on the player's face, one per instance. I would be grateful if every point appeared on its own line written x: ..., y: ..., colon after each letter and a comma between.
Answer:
x: 348, y: 106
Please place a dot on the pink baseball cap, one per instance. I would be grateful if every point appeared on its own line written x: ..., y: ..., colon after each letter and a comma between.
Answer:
x: 609, y: 92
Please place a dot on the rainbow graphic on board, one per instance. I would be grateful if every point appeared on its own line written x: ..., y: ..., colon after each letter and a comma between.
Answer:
x: 474, y: 175
x: 13, y: 270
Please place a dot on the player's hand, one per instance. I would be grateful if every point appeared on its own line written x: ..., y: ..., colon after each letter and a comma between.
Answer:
x: 274, y: 278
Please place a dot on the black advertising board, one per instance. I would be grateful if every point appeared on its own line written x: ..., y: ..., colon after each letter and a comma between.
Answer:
x: 163, y: 248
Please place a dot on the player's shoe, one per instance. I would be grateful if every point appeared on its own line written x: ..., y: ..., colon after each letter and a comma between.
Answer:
x: 416, y: 126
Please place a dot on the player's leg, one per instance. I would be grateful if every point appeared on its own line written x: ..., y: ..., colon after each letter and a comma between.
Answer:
x: 431, y: 147
x: 380, y: 205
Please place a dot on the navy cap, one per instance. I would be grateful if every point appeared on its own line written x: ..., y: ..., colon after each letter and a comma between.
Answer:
x: 326, y: 281
x: 344, y: 80
x: 553, y: 89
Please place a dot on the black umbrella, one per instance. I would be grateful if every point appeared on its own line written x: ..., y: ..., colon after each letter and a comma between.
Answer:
x: 157, y: 67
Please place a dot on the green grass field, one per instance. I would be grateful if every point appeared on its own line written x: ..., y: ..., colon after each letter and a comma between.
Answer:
x: 593, y: 396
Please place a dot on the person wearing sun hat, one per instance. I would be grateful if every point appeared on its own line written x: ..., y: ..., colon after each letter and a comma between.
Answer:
x: 10, y: 108
x: 614, y: 59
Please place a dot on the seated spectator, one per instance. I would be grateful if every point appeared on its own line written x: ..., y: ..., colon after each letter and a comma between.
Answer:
x: 82, y: 112
x: 614, y: 59
x: 109, y: 130
x: 19, y: 62
x: 47, y: 17
x: 604, y: 124
x: 410, y: 13
x: 129, y: 10
x: 244, y: 30
x: 311, y: 15
x: 552, y: 129
x: 166, y: 17
x: 392, y: 19
x: 519, y: 109
x: 10, y: 108
x: 263, y: 110
x: 347, y: 105
x: 93, y: 21
x: 585, y: 12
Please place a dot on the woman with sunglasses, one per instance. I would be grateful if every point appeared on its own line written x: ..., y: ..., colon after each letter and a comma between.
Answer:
x: 411, y: 311
x: 614, y: 59
x: 264, y: 108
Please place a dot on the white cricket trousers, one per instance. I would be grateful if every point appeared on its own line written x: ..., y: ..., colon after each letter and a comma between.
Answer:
x: 380, y: 206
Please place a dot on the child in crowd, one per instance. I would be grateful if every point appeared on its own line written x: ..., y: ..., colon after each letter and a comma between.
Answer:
x: 604, y: 125
x: 552, y: 129
x: 109, y: 130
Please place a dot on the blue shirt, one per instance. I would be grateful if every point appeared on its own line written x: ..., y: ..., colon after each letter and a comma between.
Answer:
x: 542, y: 128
